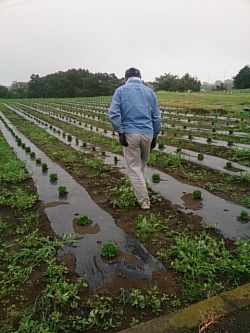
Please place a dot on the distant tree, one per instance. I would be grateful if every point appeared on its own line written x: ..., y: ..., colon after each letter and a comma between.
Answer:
x: 3, y: 91
x: 170, y: 82
x: 242, y: 79
x: 35, y: 87
x: 165, y: 82
x: 18, y: 89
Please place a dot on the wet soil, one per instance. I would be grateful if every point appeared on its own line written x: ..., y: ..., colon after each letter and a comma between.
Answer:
x: 165, y: 281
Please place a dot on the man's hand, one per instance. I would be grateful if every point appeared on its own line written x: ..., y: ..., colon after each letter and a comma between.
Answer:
x: 122, y: 139
x: 153, y: 143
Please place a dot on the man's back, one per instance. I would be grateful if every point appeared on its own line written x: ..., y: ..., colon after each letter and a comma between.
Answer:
x: 138, y: 107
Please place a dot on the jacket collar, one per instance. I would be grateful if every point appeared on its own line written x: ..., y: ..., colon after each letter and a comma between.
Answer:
x: 134, y: 79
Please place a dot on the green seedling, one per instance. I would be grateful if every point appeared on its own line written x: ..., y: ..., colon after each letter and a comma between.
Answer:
x: 244, y: 215
x: 27, y: 149
x: 156, y: 177
x: 115, y: 159
x: 53, y: 176
x: 44, y: 167
x: 161, y: 145
x: 69, y: 138
x: 209, y: 139
x: 109, y: 250
x: 32, y: 154
x: 200, y: 157
x: 229, y: 165
x: 83, y: 219
x: 197, y: 194
x: 38, y: 160
x: 62, y: 190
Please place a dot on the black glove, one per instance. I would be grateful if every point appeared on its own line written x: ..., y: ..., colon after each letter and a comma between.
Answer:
x: 153, y: 143
x: 122, y: 139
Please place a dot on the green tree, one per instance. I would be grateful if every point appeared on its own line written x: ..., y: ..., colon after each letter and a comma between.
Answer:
x: 3, y: 91
x: 242, y: 79
x: 170, y: 82
x: 18, y: 89
x: 35, y: 87
x: 165, y: 82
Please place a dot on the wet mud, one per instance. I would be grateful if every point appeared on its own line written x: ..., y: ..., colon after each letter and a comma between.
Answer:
x: 214, y: 211
x: 78, y: 201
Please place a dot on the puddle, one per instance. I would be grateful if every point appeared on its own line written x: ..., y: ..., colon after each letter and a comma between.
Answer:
x: 213, y: 211
x: 62, y: 211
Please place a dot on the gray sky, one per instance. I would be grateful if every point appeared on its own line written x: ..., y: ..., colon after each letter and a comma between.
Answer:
x: 209, y: 39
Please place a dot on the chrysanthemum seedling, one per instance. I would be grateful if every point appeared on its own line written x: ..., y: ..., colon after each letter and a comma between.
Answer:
x: 115, y: 159
x: 178, y: 150
x: 156, y: 177
x: 161, y: 145
x: 62, y: 190
x: 84, y: 144
x: 109, y: 250
x: 209, y: 139
x: 229, y: 165
x: 83, y: 219
x: 230, y: 142
x: 200, y: 157
x: 38, y: 160
x: 44, y: 166
x: 32, y: 154
x: 53, y: 176
x: 244, y: 215
x: 197, y: 194
x: 69, y: 138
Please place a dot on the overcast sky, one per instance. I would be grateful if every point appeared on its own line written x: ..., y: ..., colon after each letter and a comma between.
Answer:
x: 209, y: 39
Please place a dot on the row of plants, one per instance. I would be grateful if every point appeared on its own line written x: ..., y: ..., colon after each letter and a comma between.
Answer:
x: 234, y: 187
x: 228, y: 151
x: 105, y: 312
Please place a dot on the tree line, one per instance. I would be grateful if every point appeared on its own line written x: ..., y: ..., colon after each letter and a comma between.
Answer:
x: 82, y: 83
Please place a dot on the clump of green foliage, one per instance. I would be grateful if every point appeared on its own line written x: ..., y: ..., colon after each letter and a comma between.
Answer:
x: 197, y: 194
x: 109, y: 250
x: 83, y: 219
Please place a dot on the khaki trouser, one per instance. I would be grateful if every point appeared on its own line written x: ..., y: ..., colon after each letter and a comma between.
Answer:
x: 136, y: 156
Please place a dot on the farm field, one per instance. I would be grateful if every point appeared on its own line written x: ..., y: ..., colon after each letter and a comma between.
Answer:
x: 64, y: 195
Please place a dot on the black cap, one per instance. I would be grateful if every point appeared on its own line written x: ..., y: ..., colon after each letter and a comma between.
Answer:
x: 132, y: 72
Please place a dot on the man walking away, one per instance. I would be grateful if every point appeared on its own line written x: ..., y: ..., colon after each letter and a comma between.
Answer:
x: 135, y: 115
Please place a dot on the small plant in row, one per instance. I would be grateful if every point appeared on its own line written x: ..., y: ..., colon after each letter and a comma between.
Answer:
x: 197, y: 194
x: 44, y: 166
x: 83, y: 219
x: 62, y: 190
x: 244, y: 215
x: 156, y: 177
x: 32, y: 154
x: 53, y: 177
x: 109, y: 250
x: 200, y: 157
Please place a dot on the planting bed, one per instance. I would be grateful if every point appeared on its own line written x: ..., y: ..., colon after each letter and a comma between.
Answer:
x: 197, y: 254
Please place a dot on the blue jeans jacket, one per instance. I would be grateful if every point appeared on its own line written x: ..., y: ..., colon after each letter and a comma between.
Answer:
x: 134, y: 109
